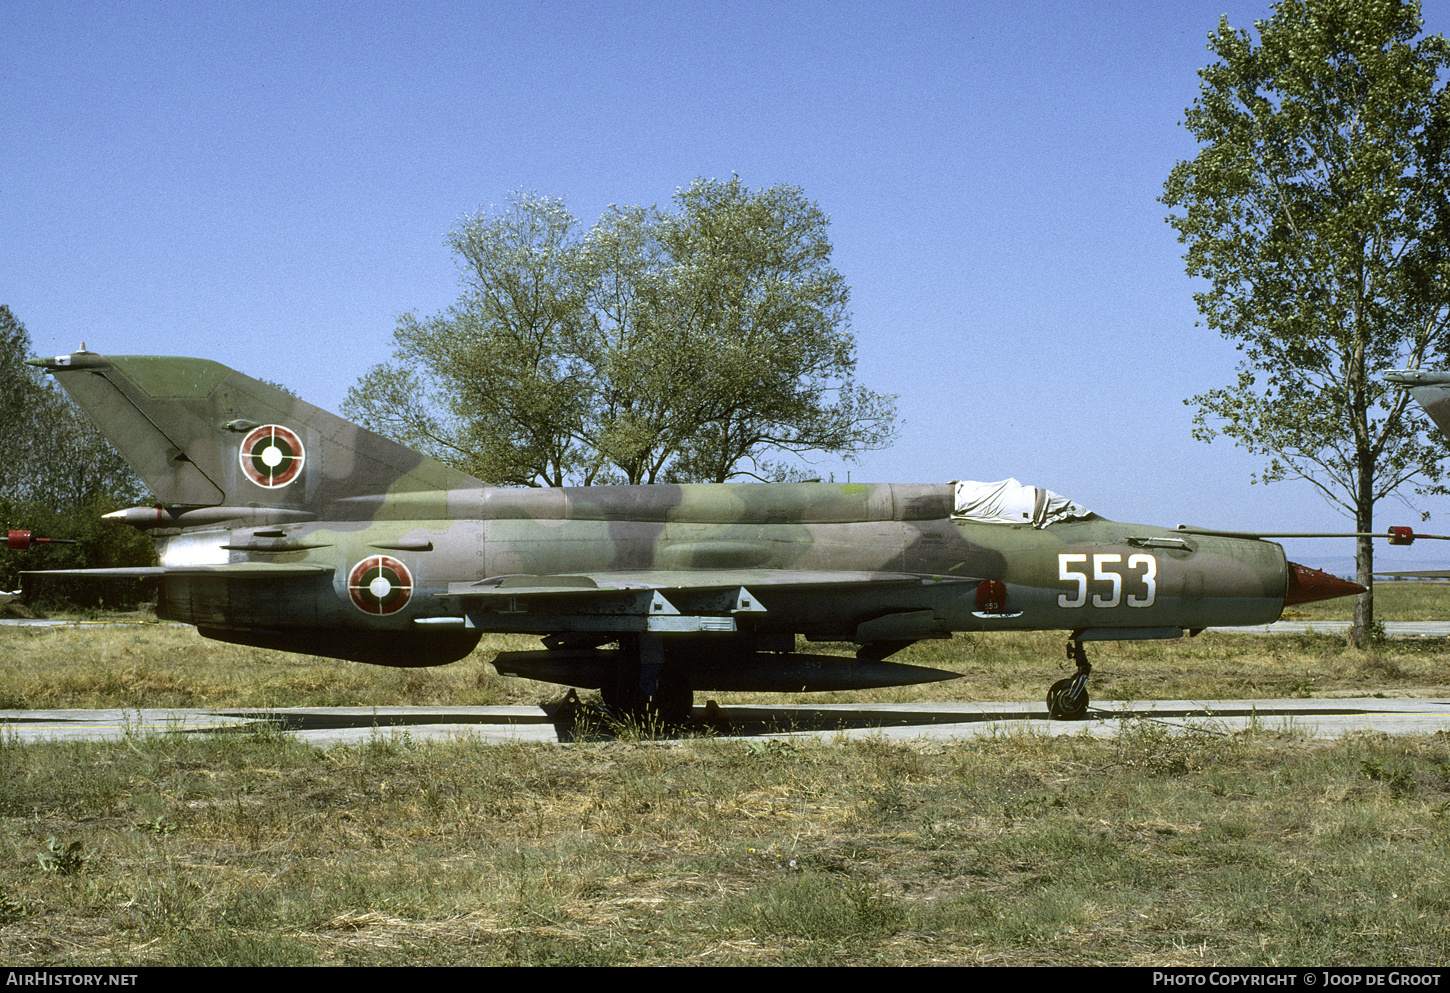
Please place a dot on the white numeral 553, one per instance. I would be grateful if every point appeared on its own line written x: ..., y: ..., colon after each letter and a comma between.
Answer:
x: 1102, y: 573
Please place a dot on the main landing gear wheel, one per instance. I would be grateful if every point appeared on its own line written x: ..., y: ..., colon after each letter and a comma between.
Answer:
x: 1067, y: 700
x: 669, y: 707
x: 663, y: 701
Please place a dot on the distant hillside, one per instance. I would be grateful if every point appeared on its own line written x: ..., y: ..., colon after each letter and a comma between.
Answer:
x: 1343, y: 565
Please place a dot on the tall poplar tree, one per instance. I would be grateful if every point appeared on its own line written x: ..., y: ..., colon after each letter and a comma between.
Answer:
x: 1317, y: 212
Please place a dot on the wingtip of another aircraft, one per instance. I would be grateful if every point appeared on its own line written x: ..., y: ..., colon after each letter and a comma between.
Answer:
x: 1418, y: 377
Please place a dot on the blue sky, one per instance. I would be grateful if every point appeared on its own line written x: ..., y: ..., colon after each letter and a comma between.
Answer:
x: 269, y: 185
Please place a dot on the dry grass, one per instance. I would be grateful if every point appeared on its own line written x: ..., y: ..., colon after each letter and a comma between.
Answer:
x: 155, y: 665
x: 1150, y: 849
x: 1153, y: 848
x: 166, y: 665
x: 151, y: 665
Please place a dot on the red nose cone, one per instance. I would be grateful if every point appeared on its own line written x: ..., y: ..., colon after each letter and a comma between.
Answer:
x: 1307, y: 585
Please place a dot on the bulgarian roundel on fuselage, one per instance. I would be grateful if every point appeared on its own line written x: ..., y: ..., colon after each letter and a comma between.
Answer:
x: 380, y: 585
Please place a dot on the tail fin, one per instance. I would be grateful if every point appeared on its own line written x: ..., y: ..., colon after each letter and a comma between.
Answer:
x: 1431, y: 391
x: 201, y: 435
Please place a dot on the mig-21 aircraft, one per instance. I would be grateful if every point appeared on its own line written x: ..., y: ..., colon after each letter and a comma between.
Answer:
x: 282, y: 526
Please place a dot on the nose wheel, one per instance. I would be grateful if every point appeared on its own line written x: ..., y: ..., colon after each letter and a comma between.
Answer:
x: 1067, y: 699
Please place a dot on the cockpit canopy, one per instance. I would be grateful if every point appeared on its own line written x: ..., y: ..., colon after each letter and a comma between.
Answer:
x: 1010, y: 502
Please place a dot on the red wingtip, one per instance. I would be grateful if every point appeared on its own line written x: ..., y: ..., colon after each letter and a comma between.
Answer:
x: 1307, y: 585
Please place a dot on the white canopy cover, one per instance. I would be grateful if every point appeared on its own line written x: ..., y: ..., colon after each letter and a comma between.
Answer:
x: 1010, y: 502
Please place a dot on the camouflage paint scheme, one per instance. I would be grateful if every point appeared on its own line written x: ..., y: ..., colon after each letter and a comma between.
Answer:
x: 280, y: 525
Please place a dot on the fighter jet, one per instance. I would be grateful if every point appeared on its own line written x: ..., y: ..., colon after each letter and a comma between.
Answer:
x: 282, y: 526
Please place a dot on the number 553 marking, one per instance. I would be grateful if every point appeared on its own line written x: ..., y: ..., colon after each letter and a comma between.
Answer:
x: 1106, y: 566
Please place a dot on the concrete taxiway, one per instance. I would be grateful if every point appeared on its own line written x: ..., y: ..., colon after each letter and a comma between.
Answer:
x: 1394, y: 629
x: 333, y: 726
x: 330, y: 726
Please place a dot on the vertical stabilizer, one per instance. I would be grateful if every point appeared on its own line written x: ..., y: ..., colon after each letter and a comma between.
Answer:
x: 202, y: 435
x: 1431, y: 391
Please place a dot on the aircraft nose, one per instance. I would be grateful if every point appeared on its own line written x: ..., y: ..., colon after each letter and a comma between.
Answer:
x: 1307, y: 585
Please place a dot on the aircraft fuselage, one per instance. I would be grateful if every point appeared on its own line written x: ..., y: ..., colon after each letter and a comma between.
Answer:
x: 1091, y: 574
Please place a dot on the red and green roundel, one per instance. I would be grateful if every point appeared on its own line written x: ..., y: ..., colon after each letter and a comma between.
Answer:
x: 380, y: 585
x: 272, y: 456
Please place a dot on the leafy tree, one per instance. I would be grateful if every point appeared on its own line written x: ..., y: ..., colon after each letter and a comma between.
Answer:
x: 657, y: 346
x: 21, y: 394
x: 754, y: 285
x: 1316, y: 210
x: 50, y: 452
x: 58, y: 475
x: 99, y: 544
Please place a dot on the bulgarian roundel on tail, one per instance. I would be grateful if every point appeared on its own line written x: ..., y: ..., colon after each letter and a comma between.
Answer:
x: 272, y: 456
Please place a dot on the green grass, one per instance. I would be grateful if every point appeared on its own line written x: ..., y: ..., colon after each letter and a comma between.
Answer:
x: 1405, y: 600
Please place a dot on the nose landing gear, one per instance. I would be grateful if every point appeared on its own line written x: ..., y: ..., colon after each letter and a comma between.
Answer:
x: 1067, y: 699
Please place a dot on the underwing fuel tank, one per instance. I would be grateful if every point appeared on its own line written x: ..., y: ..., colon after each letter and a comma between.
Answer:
x: 743, y: 671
